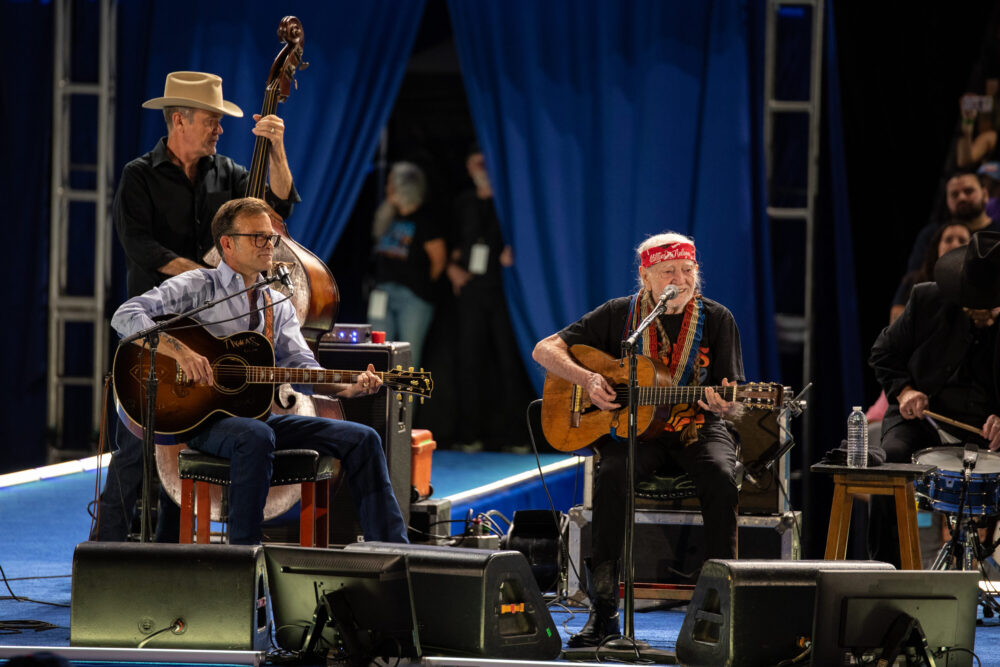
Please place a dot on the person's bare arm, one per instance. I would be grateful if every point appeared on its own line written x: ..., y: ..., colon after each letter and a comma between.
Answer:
x: 553, y: 354
x: 178, y: 265
x: 437, y: 252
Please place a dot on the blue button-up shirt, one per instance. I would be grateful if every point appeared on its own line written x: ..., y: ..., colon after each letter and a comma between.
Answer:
x: 193, y: 288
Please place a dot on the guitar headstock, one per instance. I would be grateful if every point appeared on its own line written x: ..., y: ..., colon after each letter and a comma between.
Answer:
x: 769, y: 395
x: 409, y: 381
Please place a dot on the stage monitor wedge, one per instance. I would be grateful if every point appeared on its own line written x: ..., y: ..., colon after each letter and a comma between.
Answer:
x: 124, y: 592
x: 476, y: 602
x: 856, y: 611
x: 747, y: 613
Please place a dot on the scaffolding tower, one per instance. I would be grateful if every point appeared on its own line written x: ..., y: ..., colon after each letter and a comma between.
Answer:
x: 80, y: 203
x: 787, y: 204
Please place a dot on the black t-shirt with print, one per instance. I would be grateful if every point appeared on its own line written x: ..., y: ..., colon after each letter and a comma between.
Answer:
x: 719, y: 349
x: 400, y: 256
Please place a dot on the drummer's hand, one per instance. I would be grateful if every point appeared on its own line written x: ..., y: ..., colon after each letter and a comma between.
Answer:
x: 912, y: 403
x: 991, y: 431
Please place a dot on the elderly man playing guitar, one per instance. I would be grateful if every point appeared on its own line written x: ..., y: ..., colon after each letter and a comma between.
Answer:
x: 698, y: 342
x: 245, y: 239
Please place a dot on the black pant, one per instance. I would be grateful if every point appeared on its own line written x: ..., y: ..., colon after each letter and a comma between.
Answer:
x: 122, y: 487
x: 711, y: 463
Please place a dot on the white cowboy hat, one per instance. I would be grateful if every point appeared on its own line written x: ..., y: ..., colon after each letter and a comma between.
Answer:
x: 194, y: 89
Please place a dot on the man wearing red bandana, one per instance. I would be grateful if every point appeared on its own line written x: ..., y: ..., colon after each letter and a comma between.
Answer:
x: 699, y: 342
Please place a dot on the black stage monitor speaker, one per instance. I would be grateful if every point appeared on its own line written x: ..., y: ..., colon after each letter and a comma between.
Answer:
x: 204, y: 596
x: 750, y: 613
x: 475, y: 602
x: 387, y: 412
x: 856, y: 614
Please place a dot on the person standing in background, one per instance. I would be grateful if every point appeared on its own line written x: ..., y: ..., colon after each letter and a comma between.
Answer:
x: 410, y: 254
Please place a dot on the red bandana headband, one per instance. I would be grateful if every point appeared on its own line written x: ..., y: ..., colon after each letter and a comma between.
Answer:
x: 662, y: 253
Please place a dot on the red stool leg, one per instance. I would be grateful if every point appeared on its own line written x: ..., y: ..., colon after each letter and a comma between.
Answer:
x: 203, y: 519
x: 187, y: 510
x: 323, y: 513
x: 307, y: 515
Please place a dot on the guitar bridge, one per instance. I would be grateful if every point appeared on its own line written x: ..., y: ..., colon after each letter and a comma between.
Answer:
x: 576, y: 405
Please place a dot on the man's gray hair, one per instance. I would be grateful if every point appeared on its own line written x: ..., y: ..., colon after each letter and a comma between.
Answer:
x: 168, y: 115
x: 409, y: 183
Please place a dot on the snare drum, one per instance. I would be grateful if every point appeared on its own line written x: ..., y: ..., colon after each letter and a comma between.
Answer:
x: 941, y: 490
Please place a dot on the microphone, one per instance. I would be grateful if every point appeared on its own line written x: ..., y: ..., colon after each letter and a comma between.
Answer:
x: 282, y: 274
x: 669, y: 292
x: 971, y: 456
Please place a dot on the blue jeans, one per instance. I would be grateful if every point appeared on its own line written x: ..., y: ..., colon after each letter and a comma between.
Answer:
x: 250, y: 444
x: 121, y: 489
x: 407, y: 318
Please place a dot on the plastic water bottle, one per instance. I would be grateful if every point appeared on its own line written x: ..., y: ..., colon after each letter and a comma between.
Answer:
x: 857, y: 439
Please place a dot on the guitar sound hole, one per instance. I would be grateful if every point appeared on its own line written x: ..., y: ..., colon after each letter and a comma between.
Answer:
x: 230, y: 375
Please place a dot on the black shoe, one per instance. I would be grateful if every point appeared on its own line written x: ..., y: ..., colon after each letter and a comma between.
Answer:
x: 603, y: 620
x: 599, y: 626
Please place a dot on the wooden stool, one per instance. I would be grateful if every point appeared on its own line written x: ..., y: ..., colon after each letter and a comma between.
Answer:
x: 890, y: 479
x: 198, y: 471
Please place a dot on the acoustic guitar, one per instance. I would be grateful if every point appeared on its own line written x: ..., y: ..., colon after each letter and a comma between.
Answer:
x: 244, y: 381
x: 572, y: 423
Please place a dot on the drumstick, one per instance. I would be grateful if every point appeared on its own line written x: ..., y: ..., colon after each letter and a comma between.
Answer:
x: 946, y: 420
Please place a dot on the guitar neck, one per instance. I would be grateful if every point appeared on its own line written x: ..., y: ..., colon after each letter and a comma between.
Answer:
x: 674, y: 395
x: 275, y: 375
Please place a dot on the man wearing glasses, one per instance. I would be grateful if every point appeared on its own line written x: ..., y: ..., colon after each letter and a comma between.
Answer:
x: 163, y: 209
x: 244, y: 238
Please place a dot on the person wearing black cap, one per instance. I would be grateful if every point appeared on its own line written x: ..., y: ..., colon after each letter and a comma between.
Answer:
x: 942, y: 354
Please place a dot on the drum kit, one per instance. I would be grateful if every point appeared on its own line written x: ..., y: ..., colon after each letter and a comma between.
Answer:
x: 965, y: 488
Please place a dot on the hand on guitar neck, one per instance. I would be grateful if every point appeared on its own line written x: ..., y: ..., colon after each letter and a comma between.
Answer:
x: 719, y: 406
x: 367, y: 382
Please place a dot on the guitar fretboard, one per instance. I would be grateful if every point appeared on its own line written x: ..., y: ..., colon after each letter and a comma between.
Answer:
x: 673, y: 395
x: 274, y: 375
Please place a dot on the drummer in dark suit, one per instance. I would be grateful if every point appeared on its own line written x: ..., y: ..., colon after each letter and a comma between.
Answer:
x: 943, y: 355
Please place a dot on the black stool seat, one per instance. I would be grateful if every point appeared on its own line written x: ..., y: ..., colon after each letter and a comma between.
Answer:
x: 291, y: 466
x: 314, y: 473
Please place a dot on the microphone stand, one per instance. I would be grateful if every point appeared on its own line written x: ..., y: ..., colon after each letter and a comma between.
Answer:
x: 628, y: 643
x: 152, y: 337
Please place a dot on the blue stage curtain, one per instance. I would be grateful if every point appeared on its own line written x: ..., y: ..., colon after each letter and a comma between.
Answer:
x: 357, y: 54
x: 603, y: 123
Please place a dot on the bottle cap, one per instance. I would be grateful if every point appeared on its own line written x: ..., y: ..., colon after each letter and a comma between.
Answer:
x: 856, y: 407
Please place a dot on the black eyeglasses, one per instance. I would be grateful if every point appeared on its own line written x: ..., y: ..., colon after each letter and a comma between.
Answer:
x: 260, y: 240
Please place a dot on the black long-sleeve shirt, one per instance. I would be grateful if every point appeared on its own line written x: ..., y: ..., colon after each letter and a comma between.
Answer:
x: 161, y: 215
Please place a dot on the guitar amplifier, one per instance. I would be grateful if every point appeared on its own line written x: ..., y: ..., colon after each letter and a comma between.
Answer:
x: 386, y: 412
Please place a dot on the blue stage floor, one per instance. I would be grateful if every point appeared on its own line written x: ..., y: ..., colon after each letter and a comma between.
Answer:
x: 42, y: 521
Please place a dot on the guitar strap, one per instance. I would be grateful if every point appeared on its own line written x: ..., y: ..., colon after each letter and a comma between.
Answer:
x: 268, y: 318
x: 681, y: 358
x: 654, y: 342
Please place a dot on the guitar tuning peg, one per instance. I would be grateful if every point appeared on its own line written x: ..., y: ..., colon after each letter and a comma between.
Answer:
x: 399, y: 367
x: 421, y: 400
x: 409, y: 399
x: 411, y: 369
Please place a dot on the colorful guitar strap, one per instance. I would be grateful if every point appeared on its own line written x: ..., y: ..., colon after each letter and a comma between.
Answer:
x: 682, y: 364
x: 682, y: 356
